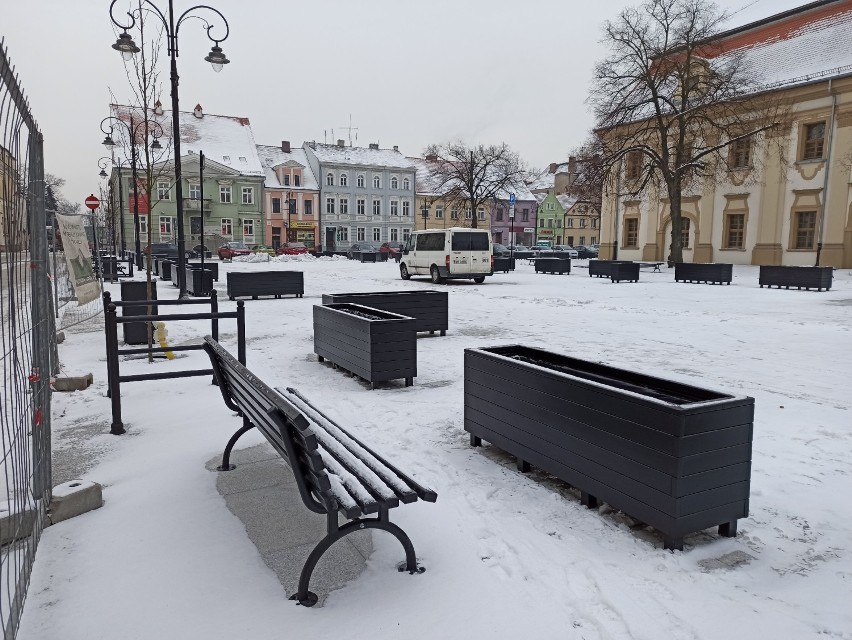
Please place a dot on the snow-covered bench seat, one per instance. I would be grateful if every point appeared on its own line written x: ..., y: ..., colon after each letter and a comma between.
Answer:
x: 334, y: 471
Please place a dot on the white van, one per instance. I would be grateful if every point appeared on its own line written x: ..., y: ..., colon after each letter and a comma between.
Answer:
x: 447, y: 253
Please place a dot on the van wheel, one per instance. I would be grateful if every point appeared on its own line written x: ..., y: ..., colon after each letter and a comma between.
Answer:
x: 479, y: 279
x: 436, y: 275
x: 403, y: 272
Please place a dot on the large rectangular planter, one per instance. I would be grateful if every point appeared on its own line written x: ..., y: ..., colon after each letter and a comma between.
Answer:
x: 428, y: 308
x: 818, y: 278
x: 600, y: 268
x: 553, y: 265
x: 199, y: 282
x: 213, y: 267
x: 136, y: 332
x: 504, y: 264
x: 674, y: 456
x: 716, y: 273
x: 366, y: 256
x: 266, y: 283
x: 620, y: 271
x: 377, y: 348
x: 166, y: 268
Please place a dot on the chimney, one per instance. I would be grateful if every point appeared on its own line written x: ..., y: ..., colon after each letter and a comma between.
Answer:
x: 432, y: 158
x: 374, y: 145
x: 158, y: 108
x: 341, y: 143
x: 572, y: 169
x: 552, y: 168
x: 285, y: 146
x: 198, y: 113
x: 396, y: 147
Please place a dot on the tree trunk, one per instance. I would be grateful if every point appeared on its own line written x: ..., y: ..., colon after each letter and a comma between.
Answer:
x: 473, y: 220
x: 675, y: 190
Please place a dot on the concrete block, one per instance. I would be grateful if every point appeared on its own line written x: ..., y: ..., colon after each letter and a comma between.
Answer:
x: 74, y: 498
x: 73, y: 383
x: 15, y: 525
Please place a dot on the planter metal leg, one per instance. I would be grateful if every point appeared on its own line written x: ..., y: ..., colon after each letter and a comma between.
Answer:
x: 523, y: 466
x: 588, y: 500
x: 673, y: 544
x: 475, y: 441
x: 729, y: 529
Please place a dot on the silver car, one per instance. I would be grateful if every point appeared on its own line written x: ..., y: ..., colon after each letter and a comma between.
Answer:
x: 571, y: 251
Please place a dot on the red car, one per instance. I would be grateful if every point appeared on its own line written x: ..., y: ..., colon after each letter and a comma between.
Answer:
x: 292, y: 249
x: 230, y: 249
x: 391, y: 248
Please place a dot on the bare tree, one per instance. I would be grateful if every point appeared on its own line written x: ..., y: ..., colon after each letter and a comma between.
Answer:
x: 671, y: 105
x: 474, y: 176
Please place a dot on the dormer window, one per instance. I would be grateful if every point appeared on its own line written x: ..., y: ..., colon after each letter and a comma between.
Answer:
x: 329, y: 179
x: 297, y: 179
x: 226, y: 158
x: 286, y: 179
x: 242, y: 158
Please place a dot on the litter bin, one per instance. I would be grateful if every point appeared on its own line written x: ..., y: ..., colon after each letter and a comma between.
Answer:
x: 136, y: 332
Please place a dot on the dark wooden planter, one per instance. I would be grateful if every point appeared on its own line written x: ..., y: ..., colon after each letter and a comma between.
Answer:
x: 620, y: 271
x: 366, y: 256
x: 213, y: 267
x: 379, y: 349
x: 711, y: 273
x: 136, y: 332
x: 427, y: 307
x: 382, y: 256
x: 600, y: 268
x: 504, y: 264
x: 553, y: 265
x: 266, y: 283
x: 173, y: 272
x: 524, y: 255
x: 674, y: 456
x: 166, y: 268
x: 818, y: 278
x: 199, y: 282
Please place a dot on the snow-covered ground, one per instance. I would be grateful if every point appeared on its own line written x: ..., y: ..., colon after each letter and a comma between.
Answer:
x: 507, y: 555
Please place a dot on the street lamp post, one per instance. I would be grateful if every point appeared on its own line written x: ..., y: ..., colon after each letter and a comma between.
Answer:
x: 102, y: 164
x: 425, y: 212
x: 132, y: 130
x: 216, y: 58
x: 118, y: 165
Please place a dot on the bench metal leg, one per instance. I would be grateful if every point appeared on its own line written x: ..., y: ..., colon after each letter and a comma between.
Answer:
x: 226, y: 457
x: 307, y: 598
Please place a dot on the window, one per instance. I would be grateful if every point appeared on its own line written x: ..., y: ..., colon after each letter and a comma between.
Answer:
x: 225, y: 194
x: 406, y: 208
x: 582, y: 240
x: 242, y: 158
x: 248, y: 195
x: 343, y: 180
x: 541, y: 222
x: 424, y: 210
x: 362, y: 234
x: 377, y: 182
x: 684, y: 232
x: 468, y: 214
x: 226, y: 158
x: 377, y: 234
x: 297, y: 180
x: 499, y: 214
x: 559, y: 224
x: 406, y: 184
x: 276, y: 205
x: 394, y: 234
x: 583, y: 222
x: 430, y: 241
x: 309, y: 207
x: 286, y: 179
x: 360, y: 206
x: 227, y: 229
x: 631, y: 232
x: 525, y: 215
x: 814, y: 141
x: 550, y: 223
x: 143, y: 225
x: 343, y: 234
x: 377, y: 207
x: 593, y: 239
x: 405, y: 234
x: 805, y: 229
x: 248, y: 229
x: 165, y: 225
x: 329, y: 179
x: 740, y: 154
x: 480, y: 213
x: 570, y: 224
x: 634, y: 165
x: 291, y: 205
x: 394, y: 207
x: 360, y: 180
x: 394, y: 182
x: 195, y: 192
x: 454, y: 213
x: 735, y: 231
x: 344, y: 206
x: 594, y: 223
x: 329, y: 205
x: 439, y: 211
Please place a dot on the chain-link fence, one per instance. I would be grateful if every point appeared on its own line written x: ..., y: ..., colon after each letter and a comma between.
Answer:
x: 27, y: 343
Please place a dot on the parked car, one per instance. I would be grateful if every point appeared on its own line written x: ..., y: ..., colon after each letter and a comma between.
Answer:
x: 292, y: 249
x: 571, y: 251
x: 198, y: 249
x: 166, y: 249
x: 586, y: 252
x: 263, y: 248
x: 499, y: 250
x: 231, y: 249
x: 361, y: 247
x: 517, y: 247
x: 391, y: 248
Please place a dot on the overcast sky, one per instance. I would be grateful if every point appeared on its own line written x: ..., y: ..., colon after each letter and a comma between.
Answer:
x: 410, y: 72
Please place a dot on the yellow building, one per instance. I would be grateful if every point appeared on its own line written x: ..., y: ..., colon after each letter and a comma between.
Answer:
x: 773, y: 208
x: 441, y: 213
x: 12, y: 206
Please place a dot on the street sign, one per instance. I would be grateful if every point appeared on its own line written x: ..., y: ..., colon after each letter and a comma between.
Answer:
x: 511, y: 212
x: 92, y: 202
x: 511, y: 199
x: 529, y: 229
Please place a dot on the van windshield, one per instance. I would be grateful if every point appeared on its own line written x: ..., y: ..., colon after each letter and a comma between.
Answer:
x: 470, y: 241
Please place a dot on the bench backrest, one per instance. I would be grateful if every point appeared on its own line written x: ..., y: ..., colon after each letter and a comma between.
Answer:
x: 333, y: 470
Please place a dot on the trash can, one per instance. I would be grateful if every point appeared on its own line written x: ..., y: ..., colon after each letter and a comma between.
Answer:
x: 136, y: 332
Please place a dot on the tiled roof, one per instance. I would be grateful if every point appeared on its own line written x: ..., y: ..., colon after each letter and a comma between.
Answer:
x: 386, y: 158
x: 271, y: 157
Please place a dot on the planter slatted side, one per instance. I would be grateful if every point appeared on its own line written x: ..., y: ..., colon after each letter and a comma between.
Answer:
x: 553, y: 265
x: 818, y: 278
x: 621, y: 271
x: 266, y: 283
x: 428, y: 308
x: 213, y: 267
x: 600, y: 268
x: 503, y: 264
x: 679, y: 468
x: 199, y: 282
x: 717, y: 272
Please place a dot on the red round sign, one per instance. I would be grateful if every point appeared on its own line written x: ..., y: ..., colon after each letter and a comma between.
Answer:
x: 92, y: 202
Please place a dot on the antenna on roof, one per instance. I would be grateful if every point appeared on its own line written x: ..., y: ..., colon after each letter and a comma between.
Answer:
x: 350, y: 129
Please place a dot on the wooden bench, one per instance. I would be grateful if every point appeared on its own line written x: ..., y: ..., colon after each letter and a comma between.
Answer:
x: 334, y: 471
x: 651, y: 265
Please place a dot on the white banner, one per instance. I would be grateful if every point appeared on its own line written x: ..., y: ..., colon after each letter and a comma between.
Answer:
x: 75, y: 244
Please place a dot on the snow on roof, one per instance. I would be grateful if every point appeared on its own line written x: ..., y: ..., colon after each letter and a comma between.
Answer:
x: 566, y: 201
x: 796, y: 48
x: 226, y: 140
x: 271, y: 157
x: 387, y: 158
x: 425, y: 181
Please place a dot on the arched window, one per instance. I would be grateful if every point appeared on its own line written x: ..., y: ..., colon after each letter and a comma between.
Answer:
x: 394, y: 183
x: 343, y: 180
x: 406, y: 184
x: 329, y: 179
x: 377, y: 182
x: 361, y: 180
